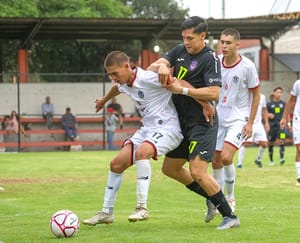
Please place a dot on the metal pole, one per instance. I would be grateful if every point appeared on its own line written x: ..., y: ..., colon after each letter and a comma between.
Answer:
x: 19, y: 120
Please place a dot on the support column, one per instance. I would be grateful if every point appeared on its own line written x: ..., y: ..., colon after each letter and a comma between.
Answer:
x: 147, y: 57
x: 264, y: 64
x: 23, y: 69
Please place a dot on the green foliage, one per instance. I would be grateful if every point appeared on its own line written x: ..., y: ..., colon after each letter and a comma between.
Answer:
x: 39, y: 184
x: 158, y: 9
x: 75, y: 56
x: 18, y: 8
x: 83, y: 8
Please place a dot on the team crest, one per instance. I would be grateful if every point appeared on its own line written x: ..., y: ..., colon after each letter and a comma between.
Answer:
x: 141, y: 94
x: 235, y: 79
x: 193, y: 65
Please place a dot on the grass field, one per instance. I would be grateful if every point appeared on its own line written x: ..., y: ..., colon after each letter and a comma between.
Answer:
x: 39, y: 184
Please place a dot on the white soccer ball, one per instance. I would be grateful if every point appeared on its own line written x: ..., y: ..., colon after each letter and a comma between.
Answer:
x: 64, y: 223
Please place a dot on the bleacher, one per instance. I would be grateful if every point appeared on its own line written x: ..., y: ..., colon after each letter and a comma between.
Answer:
x: 90, y: 130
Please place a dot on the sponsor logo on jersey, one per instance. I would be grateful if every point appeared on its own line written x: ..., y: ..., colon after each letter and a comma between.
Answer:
x: 193, y: 65
x: 141, y: 94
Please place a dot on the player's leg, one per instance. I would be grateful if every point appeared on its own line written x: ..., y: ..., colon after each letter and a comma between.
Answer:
x: 229, y: 172
x: 241, y: 156
x: 117, y: 166
x: 296, y: 135
x: 282, y: 137
x: 271, y: 138
x: 143, y: 177
x: 199, y: 171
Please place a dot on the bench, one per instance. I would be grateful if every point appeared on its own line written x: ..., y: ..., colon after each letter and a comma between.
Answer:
x: 98, y: 133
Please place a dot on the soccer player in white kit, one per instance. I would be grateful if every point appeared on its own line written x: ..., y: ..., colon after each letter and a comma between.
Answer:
x: 259, y: 135
x: 237, y: 107
x: 294, y: 99
x: 159, y: 134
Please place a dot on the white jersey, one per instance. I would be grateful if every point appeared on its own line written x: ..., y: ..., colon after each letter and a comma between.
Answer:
x: 160, y: 121
x: 152, y: 100
x: 296, y: 92
x: 258, y: 131
x: 235, y: 98
x: 262, y: 104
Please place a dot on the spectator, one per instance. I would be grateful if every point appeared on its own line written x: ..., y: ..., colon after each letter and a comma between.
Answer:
x: 111, y: 121
x: 69, y: 124
x: 118, y: 110
x: 11, y: 126
x: 48, y: 112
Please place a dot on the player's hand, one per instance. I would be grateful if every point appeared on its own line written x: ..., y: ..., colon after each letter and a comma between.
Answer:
x: 209, y: 111
x: 174, y: 85
x: 163, y: 75
x: 247, y: 131
x: 99, y: 104
x: 282, y: 123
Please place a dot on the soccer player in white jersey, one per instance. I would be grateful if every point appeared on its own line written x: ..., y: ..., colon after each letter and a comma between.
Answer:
x: 159, y: 134
x: 294, y: 100
x: 259, y: 135
x: 237, y: 107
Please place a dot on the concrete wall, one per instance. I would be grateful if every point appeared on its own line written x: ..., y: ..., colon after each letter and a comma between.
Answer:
x: 78, y: 96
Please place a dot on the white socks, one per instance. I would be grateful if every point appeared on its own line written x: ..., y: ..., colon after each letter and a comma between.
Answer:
x: 229, y: 179
x: 218, y: 174
x: 112, y: 187
x: 143, y: 175
x: 241, y: 155
x: 297, y: 165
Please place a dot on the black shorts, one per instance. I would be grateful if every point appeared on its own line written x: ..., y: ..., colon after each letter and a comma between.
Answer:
x: 198, y: 140
x: 275, y: 132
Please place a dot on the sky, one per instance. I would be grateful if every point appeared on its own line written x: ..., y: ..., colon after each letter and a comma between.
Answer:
x: 239, y: 8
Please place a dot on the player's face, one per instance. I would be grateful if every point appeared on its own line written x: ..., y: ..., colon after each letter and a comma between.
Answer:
x: 119, y: 74
x: 193, y: 42
x: 277, y: 94
x: 229, y: 45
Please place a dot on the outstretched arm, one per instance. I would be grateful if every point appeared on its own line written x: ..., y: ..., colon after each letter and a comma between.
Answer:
x: 100, y: 102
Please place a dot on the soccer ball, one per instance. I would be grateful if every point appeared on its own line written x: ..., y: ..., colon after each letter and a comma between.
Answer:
x: 64, y: 223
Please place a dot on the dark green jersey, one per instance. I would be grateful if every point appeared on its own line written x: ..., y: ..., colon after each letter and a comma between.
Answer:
x: 200, y: 70
x: 276, y: 108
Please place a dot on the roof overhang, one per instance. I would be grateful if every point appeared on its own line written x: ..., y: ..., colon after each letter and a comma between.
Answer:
x: 28, y: 29
x: 290, y: 60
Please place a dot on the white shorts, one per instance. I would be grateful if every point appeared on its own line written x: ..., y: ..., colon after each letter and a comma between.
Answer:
x: 296, y: 134
x: 258, y: 134
x: 164, y: 140
x: 231, y: 134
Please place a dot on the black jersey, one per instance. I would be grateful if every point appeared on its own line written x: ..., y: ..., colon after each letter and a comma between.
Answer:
x: 276, y: 108
x: 200, y: 70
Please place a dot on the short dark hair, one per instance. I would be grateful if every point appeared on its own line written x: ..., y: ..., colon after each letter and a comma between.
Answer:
x: 233, y: 32
x: 115, y: 58
x: 278, y: 88
x: 199, y: 24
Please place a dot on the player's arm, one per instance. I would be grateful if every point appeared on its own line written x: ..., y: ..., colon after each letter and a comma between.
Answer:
x: 100, y: 102
x: 288, y: 106
x: 247, y: 129
x: 162, y: 67
x: 265, y: 118
x: 201, y: 94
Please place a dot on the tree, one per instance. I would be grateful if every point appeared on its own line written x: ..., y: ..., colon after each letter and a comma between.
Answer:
x: 53, y: 56
x: 158, y: 9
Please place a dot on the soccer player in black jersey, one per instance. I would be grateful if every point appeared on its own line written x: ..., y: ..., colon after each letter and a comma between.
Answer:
x: 275, y: 109
x: 196, y: 76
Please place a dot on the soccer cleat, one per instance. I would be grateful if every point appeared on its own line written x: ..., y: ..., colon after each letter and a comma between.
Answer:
x: 231, y: 203
x: 99, y: 218
x: 271, y: 163
x: 139, y: 214
x: 298, y: 182
x: 229, y: 223
x: 211, y: 211
x: 258, y: 163
x: 281, y: 161
x: 239, y: 166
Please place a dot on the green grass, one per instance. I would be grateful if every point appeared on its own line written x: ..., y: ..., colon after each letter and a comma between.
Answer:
x: 39, y: 184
